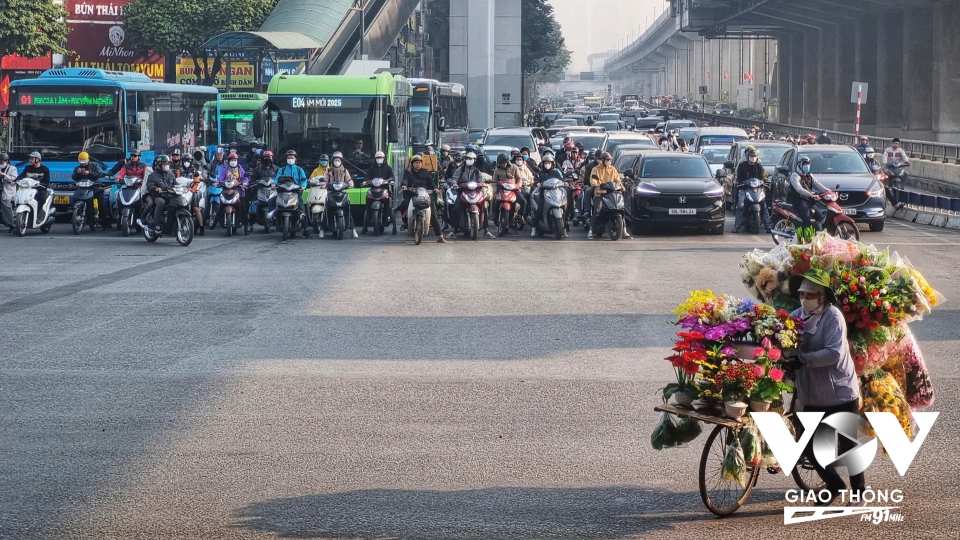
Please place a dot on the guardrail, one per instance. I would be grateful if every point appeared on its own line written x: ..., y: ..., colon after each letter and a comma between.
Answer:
x: 928, y: 150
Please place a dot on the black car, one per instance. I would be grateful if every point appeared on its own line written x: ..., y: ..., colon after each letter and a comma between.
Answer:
x: 771, y: 153
x: 648, y: 123
x: 842, y: 169
x: 674, y: 189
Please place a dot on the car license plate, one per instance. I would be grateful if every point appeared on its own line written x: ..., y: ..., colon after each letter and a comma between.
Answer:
x: 849, y: 211
x: 61, y: 199
x: 682, y: 212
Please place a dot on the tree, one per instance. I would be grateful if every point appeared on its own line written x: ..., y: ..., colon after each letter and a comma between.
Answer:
x: 540, y: 37
x: 173, y: 27
x: 32, y: 28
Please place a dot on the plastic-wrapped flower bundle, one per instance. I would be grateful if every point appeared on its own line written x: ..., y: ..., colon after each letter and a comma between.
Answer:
x: 881, y: 393
x: 918, y: 386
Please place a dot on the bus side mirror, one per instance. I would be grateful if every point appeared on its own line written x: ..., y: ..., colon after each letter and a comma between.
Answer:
x: 392, y: 131
x: 134, y: 132
x: 258, y: 123
x: 441, y: 123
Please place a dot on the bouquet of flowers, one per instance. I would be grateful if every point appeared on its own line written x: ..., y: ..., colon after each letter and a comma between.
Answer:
x: 736, y: 380
x: 777, y: 325
x: 918, y: 386
x: 881, y: 393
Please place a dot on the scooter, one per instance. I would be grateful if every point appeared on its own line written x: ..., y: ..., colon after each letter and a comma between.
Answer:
x: 260, y: 208
x: 177, y: 216
x: 316, y: 199
x: 287, y: 214
x: 473, y: 196
x: 418, y: 214
x: 27, y: 214
x: 337, y: 208
x: 230, y: 204
x: 505, y: 206
x: 754, y: 197
x: 378, y: 201
x: 550, y: 218
x: 612, y: 210
x: 450, y: 202
x: 83, y: 205
x: 129, y: 203
x: 213, y: 193
x: 827, y: 215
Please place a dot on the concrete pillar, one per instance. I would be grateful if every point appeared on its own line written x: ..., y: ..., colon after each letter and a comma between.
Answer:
x: 827, y: 91
x: 811, y: 77
x: 783, y: 70
x: 508, y: 71
x: 472, y: 50
x: 797, y: 61
x: 889, y: 94
x: 866, y: 67
x: 918, y: 73
x: 846, y: 64
x: 946, y: 72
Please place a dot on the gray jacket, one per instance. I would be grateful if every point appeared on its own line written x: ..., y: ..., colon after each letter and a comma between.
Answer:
x: 827, y: 377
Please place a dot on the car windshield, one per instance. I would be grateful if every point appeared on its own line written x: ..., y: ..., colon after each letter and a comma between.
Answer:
x: 646, y: 123
x: 589, y: 140
x: 674, y: 167
x: 515, y: 140
x: 613, y: 144
x: 610, y: 116
x: 715, y: 154
x: 836, y: 163
x: 770, y: 155
x: 565, y: 122
x: 720, y: 139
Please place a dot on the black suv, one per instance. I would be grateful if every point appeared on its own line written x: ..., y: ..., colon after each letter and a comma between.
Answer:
x: 842, y: 169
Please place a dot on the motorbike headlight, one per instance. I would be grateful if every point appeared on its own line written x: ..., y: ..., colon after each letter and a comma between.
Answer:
x: 179, y: 190
x: 85, y: 183
x: 471, y: 185
x: 646, y: 190
x: 754, y: 182
x: 509, y: 187
x: 377, y: 182
x: 23, y: 184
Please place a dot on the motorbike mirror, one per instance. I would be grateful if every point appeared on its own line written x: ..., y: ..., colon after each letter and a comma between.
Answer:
x: 783, y: 169
x: 627, y: 173
x: 728, y: 164
x: 874, y: 169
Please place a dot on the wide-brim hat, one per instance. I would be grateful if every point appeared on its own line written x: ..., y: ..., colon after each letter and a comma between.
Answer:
x: 814, y: 275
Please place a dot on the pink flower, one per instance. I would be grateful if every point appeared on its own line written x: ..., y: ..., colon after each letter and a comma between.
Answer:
x: 758, y: 370
x: 758, y: 352
x: 776, y: 374
x: 727, y: 351
x: 766, y: 343
x: 774, y: 354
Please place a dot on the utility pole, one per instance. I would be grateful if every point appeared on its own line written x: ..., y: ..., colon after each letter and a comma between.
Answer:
x: 358, y: 6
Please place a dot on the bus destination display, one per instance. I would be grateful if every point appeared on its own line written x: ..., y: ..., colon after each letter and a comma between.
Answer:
x: 326, y: 103
x: 67, y: 100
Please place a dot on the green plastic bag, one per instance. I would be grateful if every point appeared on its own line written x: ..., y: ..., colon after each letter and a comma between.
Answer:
x: 665, y: 433
x: 734, y: 467
x: 688, y: 429
x: 751, y: 444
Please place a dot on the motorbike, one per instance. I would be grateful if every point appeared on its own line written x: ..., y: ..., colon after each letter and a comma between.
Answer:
x: 27, y: 214
x: 827, y: 215
x: 129, y: 203
x: 287, y: 215
x: 754, y: 197
x: 337, y: 208
x: 550, y: 218
x: 378, y: 201
x: 895, y: 175
x: 572, y: 182
x: 177, y: 216
x: 213, y: 201
x: 316, y: 199
x: 449, y: 202
x: 229, y: 202
x: 259, y: 210
x: 418, y: 214
x: 612, y: 210
x: 473, y: 197
x: 84, y: 203
x: 505, y: 207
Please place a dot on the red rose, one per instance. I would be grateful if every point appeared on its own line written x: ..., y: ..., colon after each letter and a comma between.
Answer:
x: 846, y: 308
x: 876, y: 293
x: 853, y: 287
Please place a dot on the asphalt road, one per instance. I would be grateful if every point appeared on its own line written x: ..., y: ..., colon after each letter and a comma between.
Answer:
x: 248, y: 388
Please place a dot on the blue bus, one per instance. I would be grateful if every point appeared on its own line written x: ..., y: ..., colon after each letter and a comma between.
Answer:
x: 105, y: 113
x: 438, y: 113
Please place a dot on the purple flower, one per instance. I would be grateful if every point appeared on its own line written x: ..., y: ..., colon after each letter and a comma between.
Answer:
x: 715, y: 334
x: 745, y: 306
x: 727, y: 351
x: 742, y: 325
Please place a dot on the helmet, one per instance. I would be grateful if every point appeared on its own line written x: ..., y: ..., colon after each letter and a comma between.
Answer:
x: 605, y: 155
x: 751, y: 151
x: 379, y: 155
x: 579, y: 145
x: 291, y: 153
x: 804, y: 160
x: 470, y: 148
x: 221, y: 151
x: 547, y: 151
x: 35, y: 155
x: 233, y: 145
x: 162, y: 158
x: 445, y: 148
x: 457, y: 155
x: 266, y: 154
x: 178, y: 152
x: 4, y: 157
x: 416, y: 158
x: 337, y: 154
x: 502, y: 159
x: 524, y: 149
x: 867, y: 150
x: 470, y: 155
x: 428, y: 143
x: 548, y: 158
x: 480, y: 152
x: 233, y: 156
x: 83, y: 157
x: 514, y: 153
x: 324, y: 157
x: 134, y: 153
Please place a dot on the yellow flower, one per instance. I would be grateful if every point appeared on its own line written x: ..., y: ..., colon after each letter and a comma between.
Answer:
x: 789, y: 324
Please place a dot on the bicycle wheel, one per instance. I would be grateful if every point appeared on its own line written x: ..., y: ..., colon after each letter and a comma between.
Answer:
x: 720, y: 495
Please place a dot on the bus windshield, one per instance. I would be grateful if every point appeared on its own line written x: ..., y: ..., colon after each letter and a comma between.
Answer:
x: 237, y: 126
x: 63, y: 124
x: 419, y: 120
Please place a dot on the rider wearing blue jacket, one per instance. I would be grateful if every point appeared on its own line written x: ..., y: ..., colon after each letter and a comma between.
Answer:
x: 292, y: 169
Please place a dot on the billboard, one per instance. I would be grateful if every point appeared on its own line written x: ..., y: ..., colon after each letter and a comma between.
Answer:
x: 98, y: 40
x: 242, y: 74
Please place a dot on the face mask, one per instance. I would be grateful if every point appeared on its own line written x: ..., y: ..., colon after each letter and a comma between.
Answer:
x: 379, y: 161
x: 518, y: 162
x: 869, y: 155
x: 166, y: 167
x: 752, y: 159
x: 805, y: 168
x: 444, y: 153
x: 548, y: 165
x: 810, y: 305
x: 324, y: 163
x: 233, y: 163
x: 526, y: 157
x: 336, y: 163
x: 469, y: 161
x: 187, y: 164
x: 291, y: 162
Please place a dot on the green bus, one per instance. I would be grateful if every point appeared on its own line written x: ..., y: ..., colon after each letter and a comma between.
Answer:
x: 232, y: 117
x: 356, y: 115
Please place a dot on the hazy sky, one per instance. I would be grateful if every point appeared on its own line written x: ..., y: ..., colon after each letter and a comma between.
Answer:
x: 591, y: 26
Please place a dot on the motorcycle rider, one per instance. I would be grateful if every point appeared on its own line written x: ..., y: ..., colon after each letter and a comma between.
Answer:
x: 824, y: 138
x: 508, y: 172
x: 131, y: 166
x: 456, y: 161
x: 483, y: 164
x: 419, y: 177
x: 8, y: 175
x: 87, y: 170
x: 526, y: 185
x: 266, y: 169
x: 445, y: 159
x: 895, y: 155
x: 548, y: 171
x: 217, y: 163
x: 804, y: 189
x: 160, y: 182
x: 338, y: 173
x: 863, y: 144
x: 379, y: 169
x: 747, y: 169
x: 322, y: 167
x: 235, y: 171
x: 469, y: 171
x: 573, y: 161
x: 38, y: 171
x: 429, y: 157
x: 604, y: 172
x: 870, y: 157
x: 175, y: 156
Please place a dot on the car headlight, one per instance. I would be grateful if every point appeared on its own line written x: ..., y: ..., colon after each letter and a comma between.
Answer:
x: 644, y: 190
x: 875, y: 190
x: 714, y: 191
